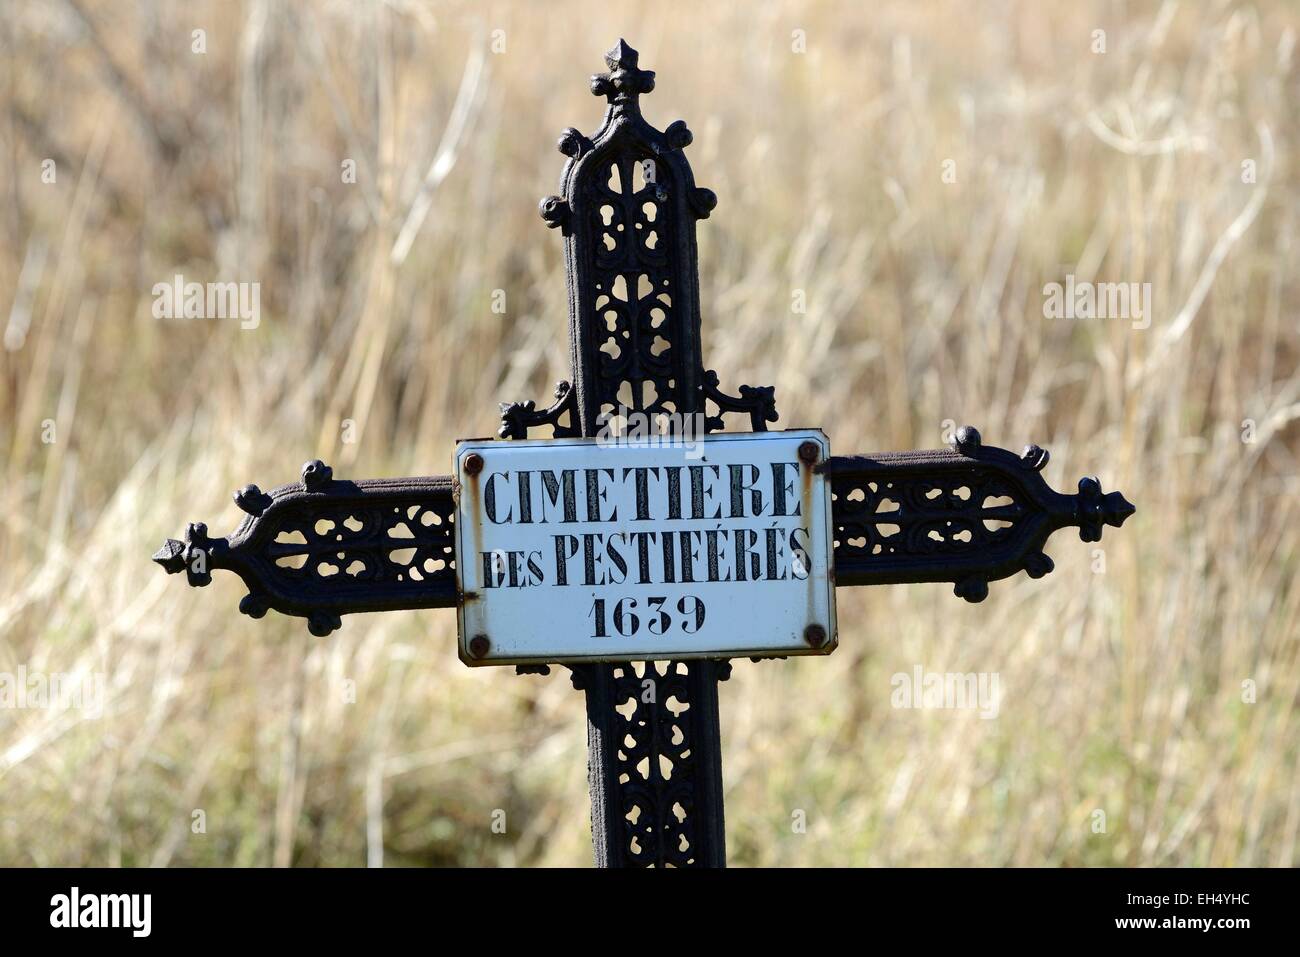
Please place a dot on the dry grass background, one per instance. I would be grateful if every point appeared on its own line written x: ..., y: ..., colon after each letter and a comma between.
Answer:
x: 1122, y: 691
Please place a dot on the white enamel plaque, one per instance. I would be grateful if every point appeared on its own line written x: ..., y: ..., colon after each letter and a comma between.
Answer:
x: 587, y: 550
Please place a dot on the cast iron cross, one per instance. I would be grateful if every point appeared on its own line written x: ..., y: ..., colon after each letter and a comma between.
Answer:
x: 324, y: 547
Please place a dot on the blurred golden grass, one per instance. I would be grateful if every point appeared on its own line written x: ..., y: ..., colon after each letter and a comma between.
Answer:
x: 1122, y: 691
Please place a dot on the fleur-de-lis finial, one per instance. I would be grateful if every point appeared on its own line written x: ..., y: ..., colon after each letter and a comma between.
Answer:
x: 625, y: 81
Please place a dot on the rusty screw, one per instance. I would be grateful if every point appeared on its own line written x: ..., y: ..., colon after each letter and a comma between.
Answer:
x: 479, y: 646
x: 815, y: 636
x: 809, y: 452
x: 473, y: 463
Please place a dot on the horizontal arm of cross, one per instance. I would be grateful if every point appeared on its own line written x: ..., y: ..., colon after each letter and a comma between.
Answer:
x: 323, y: 547
x: 968, y: 515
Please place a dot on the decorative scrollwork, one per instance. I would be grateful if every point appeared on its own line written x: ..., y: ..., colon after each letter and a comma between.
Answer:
x: 554, y: 211
x: 757, y: 401
x: 323, y: 547
x: 1093, y: 509
x: 625, y: 81
x: 572, y: 143
x: 518, y: 417
x: 968, y: 515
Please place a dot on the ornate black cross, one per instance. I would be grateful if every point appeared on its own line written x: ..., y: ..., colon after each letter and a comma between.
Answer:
x: 324, y: 547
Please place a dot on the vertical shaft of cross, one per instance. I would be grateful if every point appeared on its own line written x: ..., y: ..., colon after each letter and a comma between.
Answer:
x: 628, y: 214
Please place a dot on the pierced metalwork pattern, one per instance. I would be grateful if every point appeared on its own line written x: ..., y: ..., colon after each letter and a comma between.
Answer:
x: 968, y: 515
x: 655, y: 768
x: 950, y: 515
x: 633, y: 276
x: 325, y: 548
x: 655, y: 764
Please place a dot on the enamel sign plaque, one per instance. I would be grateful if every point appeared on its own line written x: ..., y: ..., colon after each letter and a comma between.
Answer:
x: 574, y: 550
